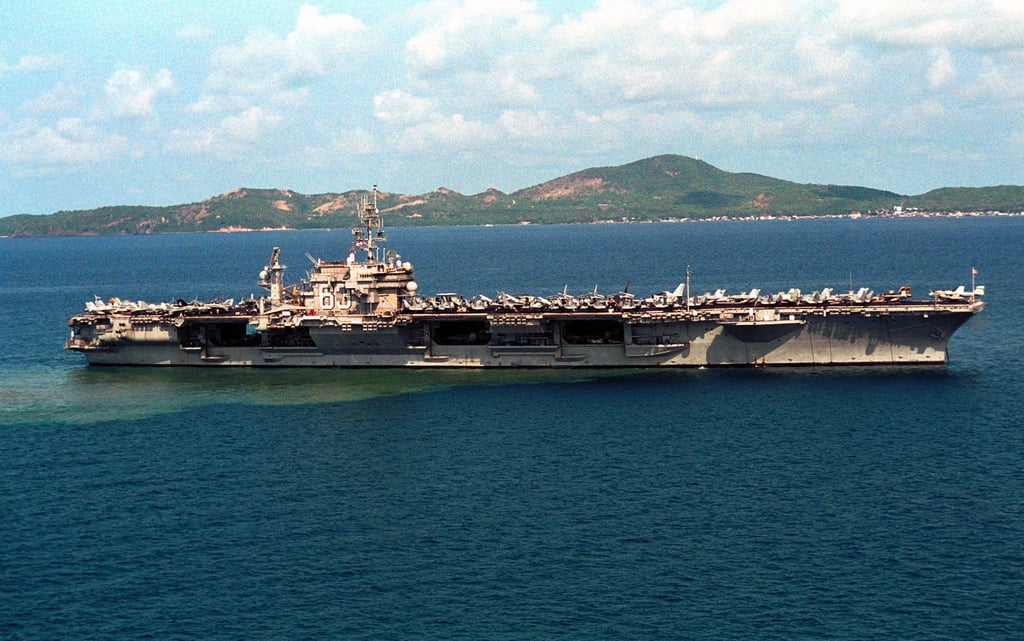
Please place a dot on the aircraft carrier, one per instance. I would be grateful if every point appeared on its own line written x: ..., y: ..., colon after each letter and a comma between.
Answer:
x: 366, y: 311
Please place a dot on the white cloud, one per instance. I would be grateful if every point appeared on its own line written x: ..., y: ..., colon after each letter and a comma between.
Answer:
x: 318, y: 30
x: 129, y: 93
x: 266, y: 64
x: 31, y: 64
x: 826, y: 67
x: 741, y: 52
x: 610, y: 24
x: 348, y: 143
x: 910, y: 123
x: 969, y: 24
x: 262, y: 64
x: 261, y: 83
x: 735, y: 72
x: 397, y: 107
x: 521, y: 125
x: 606, y: 76
x: 68, y: 141
x: 942, y: 71
x: 747, y: 20
x: 463, y: 33
x: 248, y: 126
x: 497, y: 88
x: 451, y: 133
x: 999, y: 81
x: 228, y: 138
x: 215, y: 103
x: 61, y: 98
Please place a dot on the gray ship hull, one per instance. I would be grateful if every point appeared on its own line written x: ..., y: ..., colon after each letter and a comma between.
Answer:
x: 805, y: 337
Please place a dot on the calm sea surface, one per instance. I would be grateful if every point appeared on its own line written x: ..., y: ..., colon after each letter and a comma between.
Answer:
x: 707, y: 504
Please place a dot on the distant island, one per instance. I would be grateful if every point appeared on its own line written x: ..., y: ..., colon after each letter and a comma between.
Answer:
x: 661, y: 188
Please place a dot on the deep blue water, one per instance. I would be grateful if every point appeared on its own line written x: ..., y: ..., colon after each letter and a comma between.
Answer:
x: 725, y: 504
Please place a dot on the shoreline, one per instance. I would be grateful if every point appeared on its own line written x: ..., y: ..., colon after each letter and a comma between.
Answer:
x: 709, y: 219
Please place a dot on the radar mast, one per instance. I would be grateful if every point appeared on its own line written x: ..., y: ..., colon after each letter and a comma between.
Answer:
x: 371, y: 229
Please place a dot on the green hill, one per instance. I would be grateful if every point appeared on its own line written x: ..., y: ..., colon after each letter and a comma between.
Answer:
x: 658, y: 188
x: 677, y: 186
x: 1004, y: 198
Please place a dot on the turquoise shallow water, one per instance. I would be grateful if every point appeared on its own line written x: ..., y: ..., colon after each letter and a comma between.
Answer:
x: 732, y: 504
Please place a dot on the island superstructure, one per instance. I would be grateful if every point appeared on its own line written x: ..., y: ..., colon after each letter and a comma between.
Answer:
x: 366, y: 311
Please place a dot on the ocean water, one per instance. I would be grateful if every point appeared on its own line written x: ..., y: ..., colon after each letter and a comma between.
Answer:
x: 866, y: 503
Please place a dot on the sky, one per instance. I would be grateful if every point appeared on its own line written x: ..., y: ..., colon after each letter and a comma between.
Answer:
x: 110, y: 102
